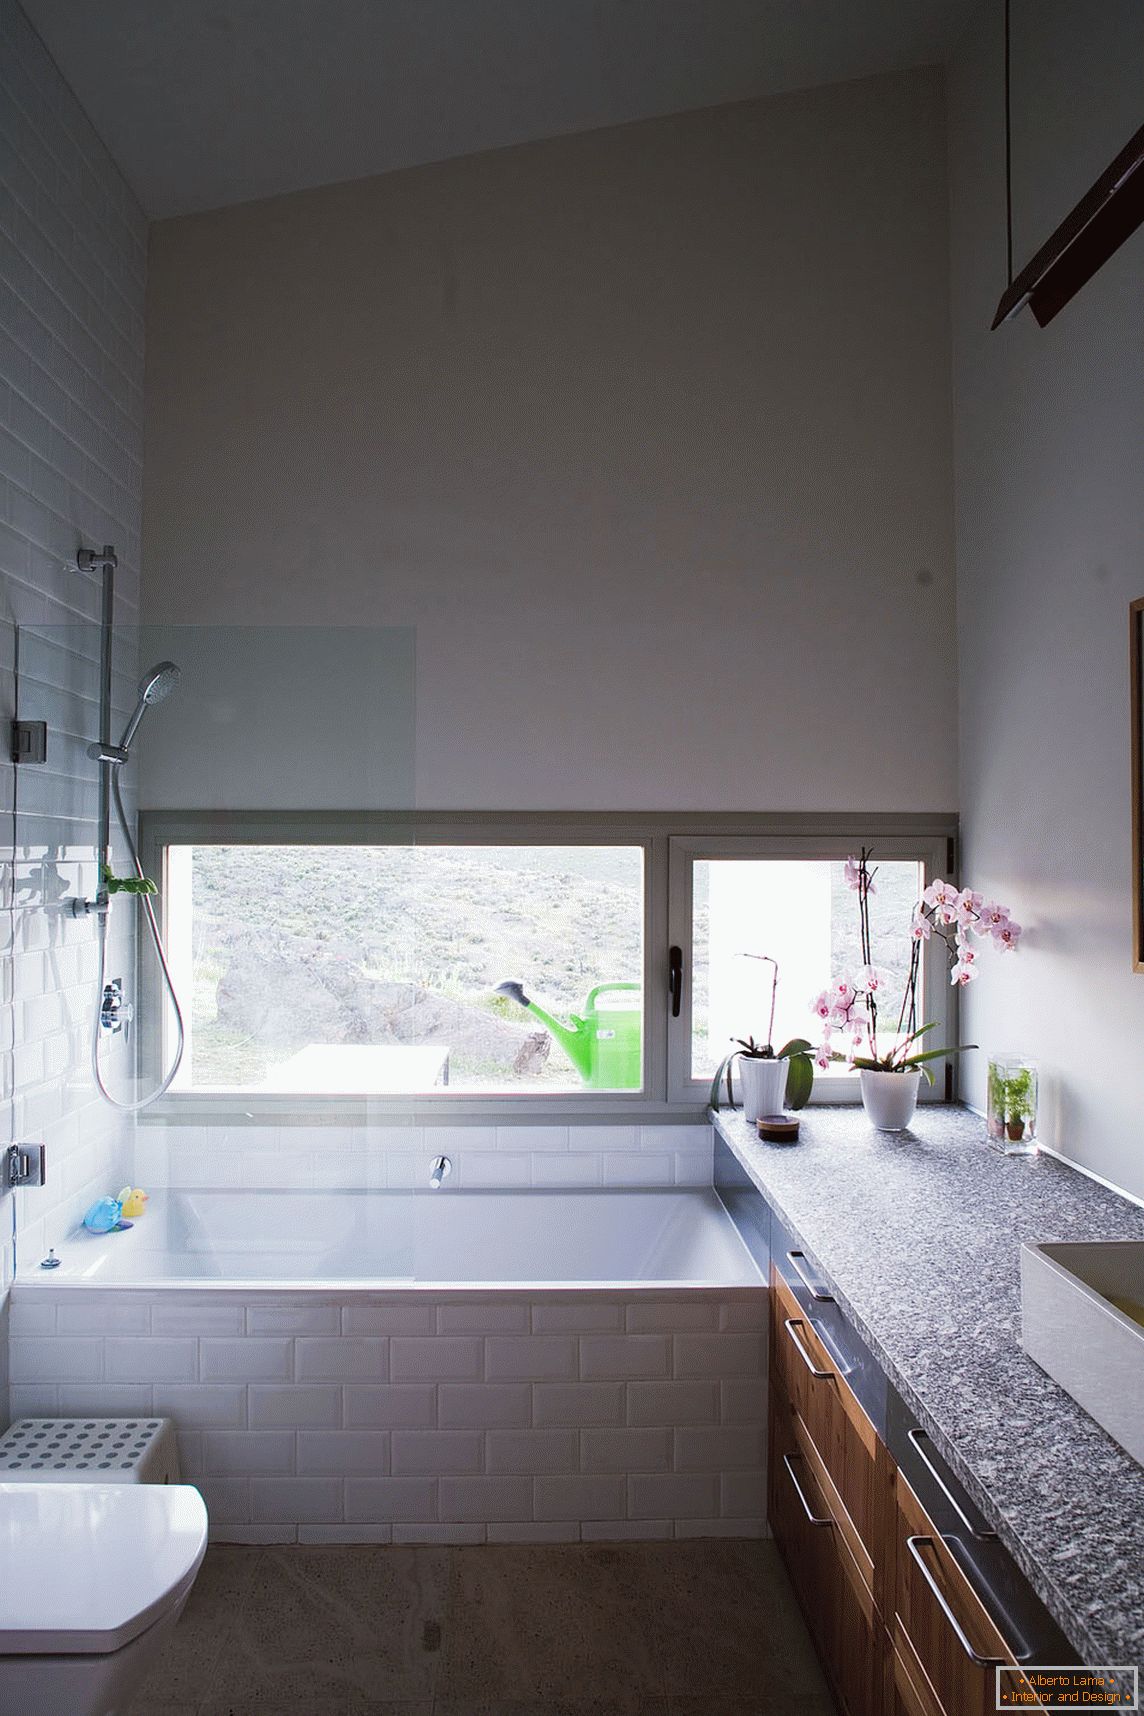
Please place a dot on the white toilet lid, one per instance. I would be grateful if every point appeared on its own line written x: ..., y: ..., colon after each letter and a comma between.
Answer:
x: 87, y: 1567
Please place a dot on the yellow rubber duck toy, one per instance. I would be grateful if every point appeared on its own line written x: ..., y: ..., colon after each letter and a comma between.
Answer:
x: 134, y: 1201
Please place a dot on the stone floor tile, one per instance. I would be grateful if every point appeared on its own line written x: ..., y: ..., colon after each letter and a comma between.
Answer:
x: 691, y: 1628
x: 729, y: 1624
x: 617, y: 1705
x: 340, y: 1623
x: 196, y: 1652
x: 525, y: 1624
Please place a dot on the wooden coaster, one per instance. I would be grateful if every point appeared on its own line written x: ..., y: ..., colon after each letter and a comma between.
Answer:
x: 778, y: 1129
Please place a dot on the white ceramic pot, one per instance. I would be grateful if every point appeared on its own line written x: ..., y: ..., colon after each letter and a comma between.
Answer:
x: 763, y: 1086
x: 889, y: 1098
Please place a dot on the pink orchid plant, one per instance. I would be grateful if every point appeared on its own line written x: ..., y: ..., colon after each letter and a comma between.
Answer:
x: 960, y: 918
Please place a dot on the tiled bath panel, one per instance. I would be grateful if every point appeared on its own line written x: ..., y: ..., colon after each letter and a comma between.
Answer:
x: 639, y: 1629
x: 461, y: 1417
x: 335, y: 1157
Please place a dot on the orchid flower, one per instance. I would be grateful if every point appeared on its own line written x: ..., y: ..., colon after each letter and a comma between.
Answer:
x: 961, y: 918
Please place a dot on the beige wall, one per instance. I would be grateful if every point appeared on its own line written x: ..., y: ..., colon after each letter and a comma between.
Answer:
x: 1050, y: 540
x: 645, y: 431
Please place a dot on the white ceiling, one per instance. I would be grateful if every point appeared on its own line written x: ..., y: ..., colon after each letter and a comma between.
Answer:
x: 209, y: 102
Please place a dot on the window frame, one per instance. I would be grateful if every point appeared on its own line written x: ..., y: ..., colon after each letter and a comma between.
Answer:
x: 938, y: 999
x: 668, y: 840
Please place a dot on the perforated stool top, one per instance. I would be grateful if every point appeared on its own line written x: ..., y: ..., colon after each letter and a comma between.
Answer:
x: 89, y: 1450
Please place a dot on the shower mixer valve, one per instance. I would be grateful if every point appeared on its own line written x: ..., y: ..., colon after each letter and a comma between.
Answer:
x: 115, y: 1014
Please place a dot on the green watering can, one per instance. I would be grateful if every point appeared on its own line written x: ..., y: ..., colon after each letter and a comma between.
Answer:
x: 605, y: 1045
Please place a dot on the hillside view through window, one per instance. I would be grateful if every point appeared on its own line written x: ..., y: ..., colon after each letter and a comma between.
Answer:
x: 379, y: 969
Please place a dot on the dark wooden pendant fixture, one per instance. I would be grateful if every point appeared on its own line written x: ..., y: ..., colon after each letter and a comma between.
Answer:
x: 1107, y: 214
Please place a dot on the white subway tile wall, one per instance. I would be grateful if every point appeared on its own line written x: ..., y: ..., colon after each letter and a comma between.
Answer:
x: 73, y: 248
x: 576, y: 1423
x: 310, y: 1419
x: 355, y: 1158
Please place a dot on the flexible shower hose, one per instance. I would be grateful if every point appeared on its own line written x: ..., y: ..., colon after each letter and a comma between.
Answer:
x: 169, y: 1077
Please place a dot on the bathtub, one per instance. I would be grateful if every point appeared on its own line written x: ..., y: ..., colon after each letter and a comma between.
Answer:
x: 418, y: 1239
x: 422, y: 1366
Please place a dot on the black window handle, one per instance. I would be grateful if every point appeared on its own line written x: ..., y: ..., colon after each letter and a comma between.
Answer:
x: 675, y: 978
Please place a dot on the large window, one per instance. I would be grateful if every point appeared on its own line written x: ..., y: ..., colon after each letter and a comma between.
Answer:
x: 405, y: 969
x: 511, y: 965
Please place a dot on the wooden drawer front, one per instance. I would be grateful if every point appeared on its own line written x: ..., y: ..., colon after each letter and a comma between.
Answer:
x: 832, y: 1593
x: 845, y: 1439
x: 847, y: 1531
x: 940, y: 1627
x: 909, y: 1692
x: 807, y: 1548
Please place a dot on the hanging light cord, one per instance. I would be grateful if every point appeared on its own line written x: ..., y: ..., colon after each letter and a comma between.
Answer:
x: 1008, y: 158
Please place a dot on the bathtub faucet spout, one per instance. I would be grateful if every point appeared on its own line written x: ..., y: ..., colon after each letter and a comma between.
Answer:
x: 441, y: 1170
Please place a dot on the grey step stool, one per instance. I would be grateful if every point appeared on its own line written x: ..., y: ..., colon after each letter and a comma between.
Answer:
x: 84, y: 1450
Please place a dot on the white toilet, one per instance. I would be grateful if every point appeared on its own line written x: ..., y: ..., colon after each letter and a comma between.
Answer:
x: 92, y: 1579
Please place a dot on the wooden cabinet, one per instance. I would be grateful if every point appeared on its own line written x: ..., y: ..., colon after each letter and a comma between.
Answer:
x: 853, y: 1456
x: 831, y: 1587
x: 946, y: 1640
x: 908, y: 1692
x: 896, y: 1620
x: 825, y: 1468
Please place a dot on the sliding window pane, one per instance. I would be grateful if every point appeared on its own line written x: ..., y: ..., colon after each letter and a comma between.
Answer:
x: 409, y: 969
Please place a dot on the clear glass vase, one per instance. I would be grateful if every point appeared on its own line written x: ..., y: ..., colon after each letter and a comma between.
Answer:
x: 1011, y: 1114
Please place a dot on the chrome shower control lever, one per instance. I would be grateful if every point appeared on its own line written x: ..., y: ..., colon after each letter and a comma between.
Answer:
x: 441, y: 1170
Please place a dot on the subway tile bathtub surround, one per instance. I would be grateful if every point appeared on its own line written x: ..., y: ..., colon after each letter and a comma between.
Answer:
x: 385, y: 1157
x: 565, y: 1415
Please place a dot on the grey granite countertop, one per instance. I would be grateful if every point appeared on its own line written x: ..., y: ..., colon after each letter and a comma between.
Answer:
x: 918, y: 1237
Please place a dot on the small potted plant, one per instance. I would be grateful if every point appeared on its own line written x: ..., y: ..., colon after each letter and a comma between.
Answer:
x: 892, y: 1065
x: 1011, y: 1119
x: 769, y: 1079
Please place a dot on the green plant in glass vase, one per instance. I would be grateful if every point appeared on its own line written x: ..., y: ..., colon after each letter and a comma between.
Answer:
x: 1012, y: 1101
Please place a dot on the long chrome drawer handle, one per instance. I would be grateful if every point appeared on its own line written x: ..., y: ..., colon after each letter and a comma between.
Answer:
x: 915, y: 1439
x: 790, y: 1324
x: 815, y: 1292
x: 914, y: 1545
x: 801, y: 1494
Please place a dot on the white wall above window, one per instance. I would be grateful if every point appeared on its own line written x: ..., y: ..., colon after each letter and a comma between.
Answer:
x: 646, y: 433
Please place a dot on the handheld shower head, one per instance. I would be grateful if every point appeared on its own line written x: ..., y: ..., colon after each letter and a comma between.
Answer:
x: 157, y: 683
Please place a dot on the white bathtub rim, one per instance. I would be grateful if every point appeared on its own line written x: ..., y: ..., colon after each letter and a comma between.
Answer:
x: 381, y: 1291
x: 138, y: 1258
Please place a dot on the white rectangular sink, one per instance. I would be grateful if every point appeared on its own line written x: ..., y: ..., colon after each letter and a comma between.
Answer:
x: 1082, y: 1308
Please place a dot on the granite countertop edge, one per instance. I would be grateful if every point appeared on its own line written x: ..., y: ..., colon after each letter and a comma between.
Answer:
x: 981, y: 1444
